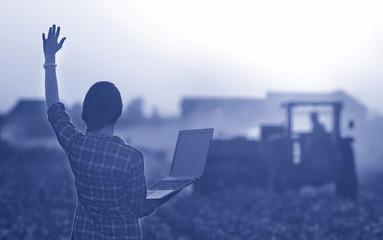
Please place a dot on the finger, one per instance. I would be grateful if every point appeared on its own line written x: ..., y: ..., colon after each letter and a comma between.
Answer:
x: 44, y: 39
x: 58, y: 32
x: 53, y: 30
x: 50, y: 32
x: 62, y: 42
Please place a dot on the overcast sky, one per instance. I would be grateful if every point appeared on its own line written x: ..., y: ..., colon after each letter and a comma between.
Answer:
x: 162, y: 50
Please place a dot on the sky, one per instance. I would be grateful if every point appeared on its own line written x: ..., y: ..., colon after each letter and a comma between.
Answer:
x: 163, y: 50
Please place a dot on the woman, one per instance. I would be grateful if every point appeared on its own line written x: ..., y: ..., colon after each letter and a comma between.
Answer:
x: 109, y: 174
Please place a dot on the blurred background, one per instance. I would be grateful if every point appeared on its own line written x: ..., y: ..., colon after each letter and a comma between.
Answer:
x: 253, y: 70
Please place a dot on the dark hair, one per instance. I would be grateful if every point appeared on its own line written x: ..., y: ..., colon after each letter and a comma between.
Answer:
x: 314, y: 116
x: 102, y: 105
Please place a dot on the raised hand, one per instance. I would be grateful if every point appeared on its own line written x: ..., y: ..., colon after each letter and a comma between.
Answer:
x: 51, y: 44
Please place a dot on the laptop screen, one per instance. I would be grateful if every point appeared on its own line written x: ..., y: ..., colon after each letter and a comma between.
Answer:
x: 191, y: 152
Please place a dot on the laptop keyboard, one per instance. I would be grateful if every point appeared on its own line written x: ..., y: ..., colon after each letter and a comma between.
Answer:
x: 169, y: 184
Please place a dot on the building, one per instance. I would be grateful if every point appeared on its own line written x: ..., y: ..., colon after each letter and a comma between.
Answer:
x: 28, y: 119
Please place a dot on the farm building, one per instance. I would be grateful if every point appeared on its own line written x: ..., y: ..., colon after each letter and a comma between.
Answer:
x: 28, y: 119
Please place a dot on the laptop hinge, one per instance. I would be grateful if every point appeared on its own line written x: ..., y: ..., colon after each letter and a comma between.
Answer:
x: 182, y: 177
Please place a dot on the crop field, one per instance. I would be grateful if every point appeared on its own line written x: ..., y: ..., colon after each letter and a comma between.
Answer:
x: 37, y: 201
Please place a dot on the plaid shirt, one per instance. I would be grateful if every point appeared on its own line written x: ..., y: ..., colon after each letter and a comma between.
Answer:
x: 109, y: 178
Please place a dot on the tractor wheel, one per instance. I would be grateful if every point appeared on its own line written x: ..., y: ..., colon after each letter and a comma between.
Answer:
x: 346, y: 180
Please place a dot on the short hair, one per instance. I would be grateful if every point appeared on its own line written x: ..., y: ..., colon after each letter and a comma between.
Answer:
x: 314, y: 116
x: 102, y: 105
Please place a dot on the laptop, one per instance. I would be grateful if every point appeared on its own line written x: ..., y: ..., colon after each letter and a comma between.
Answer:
x: 188, y: 162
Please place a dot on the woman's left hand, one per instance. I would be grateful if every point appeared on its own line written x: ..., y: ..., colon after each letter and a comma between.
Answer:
x: 51, y: 45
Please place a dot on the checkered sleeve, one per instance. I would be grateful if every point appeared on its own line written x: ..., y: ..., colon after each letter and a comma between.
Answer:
x: 65, y: 131
x: 139, y: 184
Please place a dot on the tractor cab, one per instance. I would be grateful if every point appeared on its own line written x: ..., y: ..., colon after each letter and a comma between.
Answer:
x: 314, y: 129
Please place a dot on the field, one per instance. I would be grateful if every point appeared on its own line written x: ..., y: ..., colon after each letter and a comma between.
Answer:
x: 37, y: 201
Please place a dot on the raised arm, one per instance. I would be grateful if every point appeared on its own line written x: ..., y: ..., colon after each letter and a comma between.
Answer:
x: 51, y: 46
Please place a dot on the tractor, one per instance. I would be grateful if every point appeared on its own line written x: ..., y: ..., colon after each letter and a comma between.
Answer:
x: 296, y: 158
x: 285, y: 156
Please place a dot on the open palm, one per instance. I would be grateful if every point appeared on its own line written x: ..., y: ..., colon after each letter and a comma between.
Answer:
x: 51, y: 44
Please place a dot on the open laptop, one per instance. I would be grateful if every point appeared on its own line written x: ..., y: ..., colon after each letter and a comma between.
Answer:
x: 188, y: 162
